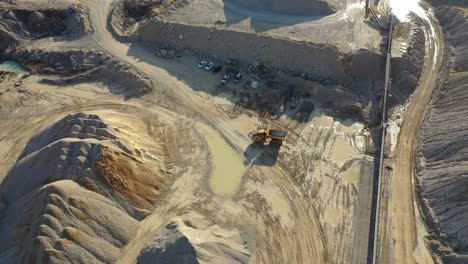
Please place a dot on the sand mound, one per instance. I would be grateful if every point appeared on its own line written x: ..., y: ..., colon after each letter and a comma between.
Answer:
x: 193, y: 239
x: 79, y: 125
x: 83, y: 148
x: 75, y: 195
x: 292, y: 7
x: 129, y: 177
x: 64, y: 223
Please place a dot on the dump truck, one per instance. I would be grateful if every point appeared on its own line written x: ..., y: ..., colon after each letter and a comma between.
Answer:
x: 268, y: 135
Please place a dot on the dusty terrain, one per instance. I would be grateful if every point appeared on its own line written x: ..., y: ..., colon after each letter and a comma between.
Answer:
x: 442, y: 160
x: 116, y: 148
x: 417, y: 221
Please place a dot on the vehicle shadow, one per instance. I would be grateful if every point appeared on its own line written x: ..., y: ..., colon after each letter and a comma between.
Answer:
x: 260, y: 154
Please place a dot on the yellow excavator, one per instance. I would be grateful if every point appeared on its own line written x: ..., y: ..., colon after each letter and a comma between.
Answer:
x: 268, y: 134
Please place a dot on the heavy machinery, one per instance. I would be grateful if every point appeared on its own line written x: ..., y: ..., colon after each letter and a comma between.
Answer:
x: 268, y: 135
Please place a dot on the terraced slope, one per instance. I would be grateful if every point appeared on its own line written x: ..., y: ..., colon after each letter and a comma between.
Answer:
x: 443, y: 165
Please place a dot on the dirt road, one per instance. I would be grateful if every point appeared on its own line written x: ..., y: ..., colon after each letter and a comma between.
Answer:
x: 310, y: 244
x: 404, y: 231
x: 303, y: 241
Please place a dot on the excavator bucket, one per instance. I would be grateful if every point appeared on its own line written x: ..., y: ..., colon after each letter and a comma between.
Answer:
x: 257, y: 137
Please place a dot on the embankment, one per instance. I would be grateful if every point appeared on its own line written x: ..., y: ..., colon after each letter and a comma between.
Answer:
x: 75, y: 66
x: 443, y: 165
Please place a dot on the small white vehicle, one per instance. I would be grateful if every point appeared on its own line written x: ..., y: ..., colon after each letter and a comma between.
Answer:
x: 226, y: 78
x: 201, y: 64
x: 210, y: 66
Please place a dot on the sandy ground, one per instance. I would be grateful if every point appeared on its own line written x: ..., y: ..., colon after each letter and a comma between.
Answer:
x: 277, y: 190
x: 403, y: 231
x: 305, y: 207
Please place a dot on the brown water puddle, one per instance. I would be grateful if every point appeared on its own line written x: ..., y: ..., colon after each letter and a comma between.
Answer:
x: 227, y: 164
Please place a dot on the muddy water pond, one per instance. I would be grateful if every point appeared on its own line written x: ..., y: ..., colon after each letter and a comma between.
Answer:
x: 11, y: 66
x: 227, y: 167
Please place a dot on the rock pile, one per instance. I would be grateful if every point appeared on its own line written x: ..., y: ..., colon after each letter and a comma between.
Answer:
x: 81, y: 66
x: 165, y: 53
x: 34, y: 24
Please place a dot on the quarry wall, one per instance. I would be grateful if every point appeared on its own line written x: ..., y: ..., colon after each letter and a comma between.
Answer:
x: 317, y: 61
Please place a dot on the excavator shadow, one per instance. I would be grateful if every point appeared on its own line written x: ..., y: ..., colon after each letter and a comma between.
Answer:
x: 260, y: 154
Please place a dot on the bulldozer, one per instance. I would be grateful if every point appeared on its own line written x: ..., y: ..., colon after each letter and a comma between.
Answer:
x: 268, y: 135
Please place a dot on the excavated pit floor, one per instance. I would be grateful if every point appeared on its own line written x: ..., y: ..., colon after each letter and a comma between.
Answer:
x: 333, y: 214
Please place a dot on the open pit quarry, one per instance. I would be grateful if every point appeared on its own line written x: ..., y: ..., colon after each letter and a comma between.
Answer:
x: 127, y: 127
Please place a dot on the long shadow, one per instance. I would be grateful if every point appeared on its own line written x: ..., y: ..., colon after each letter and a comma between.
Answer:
x: 277, y: 95
x: 260, y: 154
x: 262, y: 19
x: 375, y: 174
x: 297, y: 102
x: 260, y: 100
